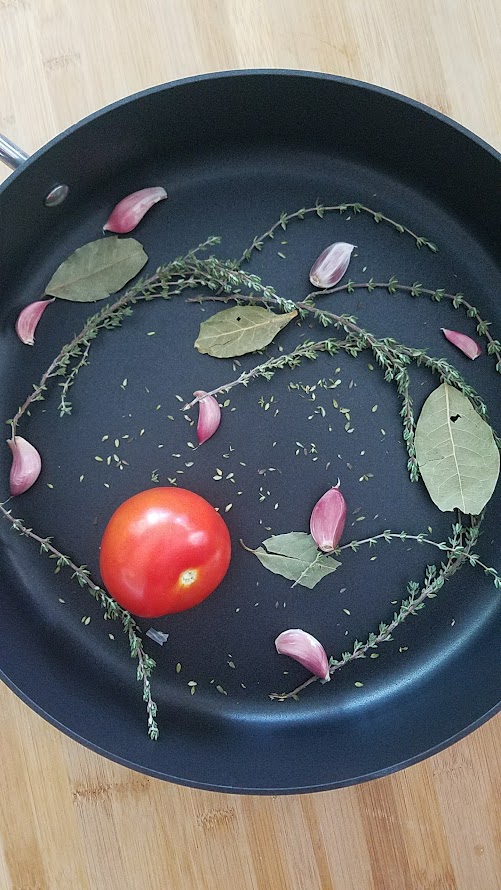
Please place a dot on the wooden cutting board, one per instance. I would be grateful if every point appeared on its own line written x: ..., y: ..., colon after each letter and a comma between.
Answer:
x: 70, y: 819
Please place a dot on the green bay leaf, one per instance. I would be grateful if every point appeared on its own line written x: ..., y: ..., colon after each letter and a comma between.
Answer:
x: 97, y: 269
x: 456, y: 452
x: 240, y: 330
x: 296, y: 557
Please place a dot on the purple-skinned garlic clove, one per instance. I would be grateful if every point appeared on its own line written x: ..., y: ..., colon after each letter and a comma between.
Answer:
x: 327, y: 520
x: 306, y: 649
x: 330, y: 266
x: 130, y: 210
x: 209, y: 416
x: 26, y: 465
x: 470, y: 347
x: 28, y: 319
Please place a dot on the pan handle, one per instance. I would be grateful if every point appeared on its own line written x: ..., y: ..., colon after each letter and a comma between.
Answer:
x: 10, y: 154
x: 14, y: 157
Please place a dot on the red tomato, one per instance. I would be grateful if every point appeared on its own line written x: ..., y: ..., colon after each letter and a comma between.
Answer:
x: 164, y: 550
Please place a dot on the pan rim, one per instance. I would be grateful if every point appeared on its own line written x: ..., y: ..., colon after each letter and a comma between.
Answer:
x: 228, y: 789
x: 253, y: 72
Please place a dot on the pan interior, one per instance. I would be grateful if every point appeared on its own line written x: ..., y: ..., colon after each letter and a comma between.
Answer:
x: 281, y: 444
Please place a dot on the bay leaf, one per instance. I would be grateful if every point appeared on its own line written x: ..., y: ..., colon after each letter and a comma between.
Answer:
x: 97, y: 269
x: 240, y: 330
x: 296, y: 557
x: 456, y: 452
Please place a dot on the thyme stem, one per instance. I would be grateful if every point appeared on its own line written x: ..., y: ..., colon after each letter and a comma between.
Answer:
x: 64, y: 405
x: 320, y: 210
x: 145, y: 663
x: 268, y: 368
x: 457, y: 554
x: 88, y: 331
x: 388, y: 536
x: 416, y: 290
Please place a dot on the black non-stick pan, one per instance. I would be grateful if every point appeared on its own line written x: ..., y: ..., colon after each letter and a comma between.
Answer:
x: 234, y: 151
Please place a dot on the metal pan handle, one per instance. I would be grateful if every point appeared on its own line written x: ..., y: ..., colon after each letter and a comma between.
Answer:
x: 13, y: 156
x: 10, y: 154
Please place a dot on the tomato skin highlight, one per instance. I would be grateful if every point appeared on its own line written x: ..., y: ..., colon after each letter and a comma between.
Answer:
x: 164, y: 550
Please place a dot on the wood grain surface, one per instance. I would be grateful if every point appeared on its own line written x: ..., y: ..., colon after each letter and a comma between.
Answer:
x: 70, y: 819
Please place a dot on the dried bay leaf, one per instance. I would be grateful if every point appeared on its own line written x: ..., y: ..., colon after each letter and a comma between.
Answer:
x: 240, y: 330
x: 97, y: 269
x: 456, y: 452
x: 296, y: 557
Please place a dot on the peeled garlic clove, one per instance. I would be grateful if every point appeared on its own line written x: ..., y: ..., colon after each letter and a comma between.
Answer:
x: 209, y: 416
x: 331, y: 265
x: 28, y: 319
x: 463, y: 342
x: 327, y: 520
x: 130, y: 210
x: 26, y: 465
x: 305, y: 649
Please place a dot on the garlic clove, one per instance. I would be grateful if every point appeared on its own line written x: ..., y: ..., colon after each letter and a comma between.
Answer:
x: 463, y: 342
x: 28, y: 319
x: 327, y: 520
x: 130, y: 210
x: 209, y: 416
x: 26, y: 465
x: 304, y: 648
x: 330, y: 266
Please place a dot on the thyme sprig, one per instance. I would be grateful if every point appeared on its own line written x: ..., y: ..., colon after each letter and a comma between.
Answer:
x: 421, y: 538
x: 320, y: 210
x: 112, y: 610
x: 393, y: 286
x: 166, y: 282
x: 306, y: 350
x: 458, y: 550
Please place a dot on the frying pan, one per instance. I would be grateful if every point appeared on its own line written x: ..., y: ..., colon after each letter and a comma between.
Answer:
x: 234, y: 150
